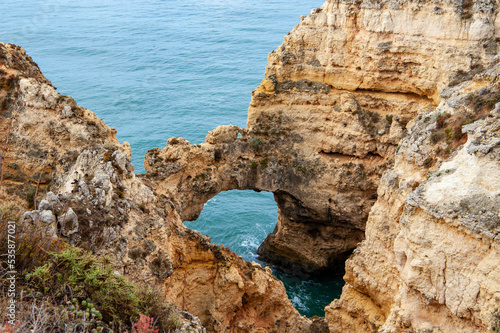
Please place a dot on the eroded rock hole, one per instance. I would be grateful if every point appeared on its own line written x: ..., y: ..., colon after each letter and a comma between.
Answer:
x: 242, y: 220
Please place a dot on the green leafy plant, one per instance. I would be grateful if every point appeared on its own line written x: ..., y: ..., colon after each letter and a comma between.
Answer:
x: 89, y: 276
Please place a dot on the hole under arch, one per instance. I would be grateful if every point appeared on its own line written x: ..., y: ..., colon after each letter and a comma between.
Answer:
x: 242, y: 220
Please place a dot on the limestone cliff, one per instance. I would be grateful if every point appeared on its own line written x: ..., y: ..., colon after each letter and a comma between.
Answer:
x: 62, y: 160
x: 326, y: 122
x: 430, y: 258
x: 327, y: 119
x: 376, y: 128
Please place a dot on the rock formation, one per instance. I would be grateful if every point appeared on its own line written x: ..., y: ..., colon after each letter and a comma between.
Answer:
x: 430, y: 258
x: 327, y: 119
x: 62, y: 160
x: 377, y: 129
x: 339, y: 94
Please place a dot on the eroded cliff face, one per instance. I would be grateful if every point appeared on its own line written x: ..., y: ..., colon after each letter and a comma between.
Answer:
x: 347, y: 61
x: 339, y: 94
x: 62, y: 160
x: 430, y: 258
x: 327, y: 119
x: 375, y: 121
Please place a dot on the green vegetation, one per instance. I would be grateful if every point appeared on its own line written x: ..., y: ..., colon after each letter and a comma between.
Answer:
x: 483, y: 102
x: 441, y: 118
x: 30, y: 196
x: 495, y: 320
x: 65, y: 288
x: 256, y: 143
x: 90, y: 277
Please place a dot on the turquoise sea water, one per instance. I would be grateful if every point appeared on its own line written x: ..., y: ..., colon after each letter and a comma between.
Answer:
x: 163, y: 68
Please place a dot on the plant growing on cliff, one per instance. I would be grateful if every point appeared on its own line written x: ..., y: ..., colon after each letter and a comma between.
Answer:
x: 495, y: 314
x: 55, y: 273
x: 88, y: 276
x: 256, y: 143
x: 144, y: 325
x: 441, y: 119
x: 30, y: 196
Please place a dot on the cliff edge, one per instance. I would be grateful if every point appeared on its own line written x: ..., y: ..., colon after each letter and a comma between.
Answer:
x: 376, y: 128
x: 328, y: 130
x: 71, y: 179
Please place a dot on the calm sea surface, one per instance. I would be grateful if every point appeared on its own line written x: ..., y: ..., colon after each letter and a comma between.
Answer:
x: 157, y: 69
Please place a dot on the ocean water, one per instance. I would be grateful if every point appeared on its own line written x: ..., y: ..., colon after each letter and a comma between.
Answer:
x: 243, y: 227
x: 167, y: 68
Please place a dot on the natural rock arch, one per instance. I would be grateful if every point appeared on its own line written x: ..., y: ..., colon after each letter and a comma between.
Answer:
x: 238, y: 219
x: 321, y: 208
x: 326, y: 121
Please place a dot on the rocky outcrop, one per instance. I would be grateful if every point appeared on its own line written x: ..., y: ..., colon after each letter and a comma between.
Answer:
x: 68, y: 170
x: 327, y: 119
x: 191, y: 175
x: 349, y: 78
x: 376, y: 128
x: 429, y: 261
x: 339, y: 94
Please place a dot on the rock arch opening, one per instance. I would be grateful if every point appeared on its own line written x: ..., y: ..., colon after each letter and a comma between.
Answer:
x: 238, y: 219
x: 241, y: 220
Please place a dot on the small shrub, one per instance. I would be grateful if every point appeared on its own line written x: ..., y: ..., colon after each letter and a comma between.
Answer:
x: 153, y: 304
x: 256, y: 143
x: 89, y: 276
x: 449, y: 135
x: 144, y: 325
x: 173, y: 322
x: 457, y: 133
x: 254, y: 165
x: 264, y: 162
x: 389, y: 118
x: 30, y: 197
x: 441, y: 119
x: 492, y: 100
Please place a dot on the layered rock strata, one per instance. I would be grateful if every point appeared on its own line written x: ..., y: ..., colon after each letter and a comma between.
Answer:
x: 327, y: 119
x: 324, y: 135
x: 430, y: 258
x: 62, y: 160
